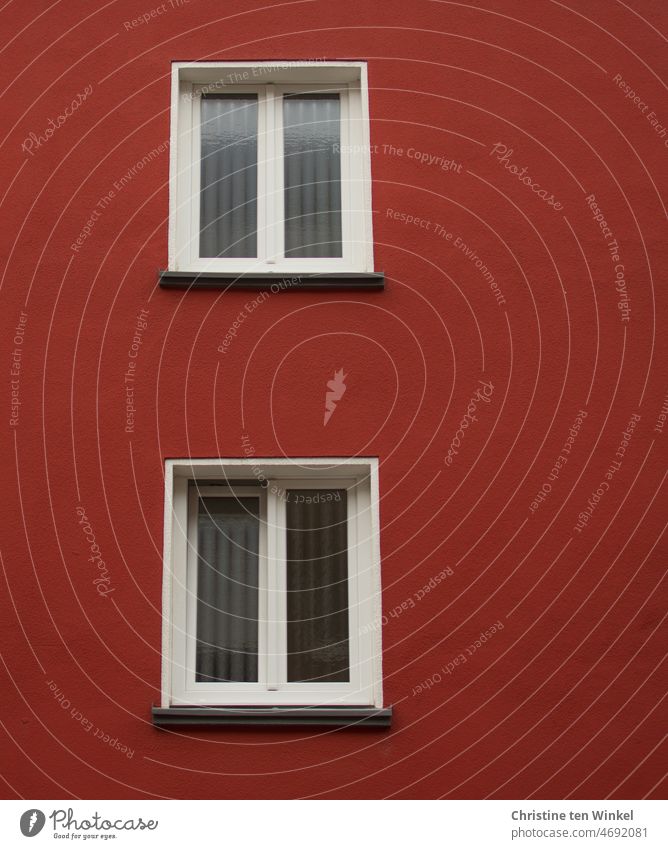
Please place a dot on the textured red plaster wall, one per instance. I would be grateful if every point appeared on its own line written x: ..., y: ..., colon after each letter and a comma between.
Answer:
x: 565, y: 699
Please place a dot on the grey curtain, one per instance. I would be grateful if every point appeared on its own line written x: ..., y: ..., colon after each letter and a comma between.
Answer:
x: 228, y: 189
x: 227, y: 589
x: 312, y: 171
x: 317, y: 585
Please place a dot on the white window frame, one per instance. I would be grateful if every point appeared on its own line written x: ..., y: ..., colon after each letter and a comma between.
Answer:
x: 270, y: 80
x: 360, y: 478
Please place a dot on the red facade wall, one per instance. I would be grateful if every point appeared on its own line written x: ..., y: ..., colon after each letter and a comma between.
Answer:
x: 565, y: 697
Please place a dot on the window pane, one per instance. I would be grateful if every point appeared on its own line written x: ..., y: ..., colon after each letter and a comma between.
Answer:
x: 312, y: 135
x: 228, y: 190
x: 227, y: 589
x: 317, y: 585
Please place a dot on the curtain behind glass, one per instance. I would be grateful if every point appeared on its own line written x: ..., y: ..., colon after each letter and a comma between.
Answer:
x: 228, y: 189
x: 227, y: 589
x: 312, y: 173
x: 317, y: 585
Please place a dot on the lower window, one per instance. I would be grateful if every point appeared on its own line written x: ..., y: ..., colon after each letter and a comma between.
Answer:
x: 272, y: 583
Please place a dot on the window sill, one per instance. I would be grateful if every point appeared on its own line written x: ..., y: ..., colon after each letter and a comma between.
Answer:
x: 332, y: 716
x: 283, y: 282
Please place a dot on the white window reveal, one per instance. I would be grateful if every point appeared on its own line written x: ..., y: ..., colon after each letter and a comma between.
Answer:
x: 272, y: 589
x: 270, y: 168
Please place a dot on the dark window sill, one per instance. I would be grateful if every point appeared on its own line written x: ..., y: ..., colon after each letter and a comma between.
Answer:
x: 329, y: 282
x: 242, y: 715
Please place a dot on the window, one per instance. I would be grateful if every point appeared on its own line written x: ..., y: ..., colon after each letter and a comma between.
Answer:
x: 272, y: 583
x: 270, y: 168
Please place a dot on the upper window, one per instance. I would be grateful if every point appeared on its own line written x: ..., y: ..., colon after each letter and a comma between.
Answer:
x: 272, y: 583
x: 270, y: 168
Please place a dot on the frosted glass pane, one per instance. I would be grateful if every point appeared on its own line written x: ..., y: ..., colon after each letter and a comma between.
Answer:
x: 228, y: 190
x: 317, y: 584
x: 312, y: 172
x: 227, y: 589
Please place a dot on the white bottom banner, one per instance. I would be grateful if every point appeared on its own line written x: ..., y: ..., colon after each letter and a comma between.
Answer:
x: 326, y: 825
